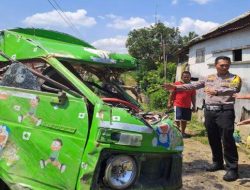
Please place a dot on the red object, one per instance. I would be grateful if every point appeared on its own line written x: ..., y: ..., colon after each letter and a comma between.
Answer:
x: 116, y: 100
x: 183, y: 98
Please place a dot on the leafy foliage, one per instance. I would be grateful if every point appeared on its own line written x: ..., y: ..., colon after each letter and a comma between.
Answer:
x: 158, y: 99
x: 151, y: 46
x: 189, y: 37
x: 147, y: 44
x: 151, y: 85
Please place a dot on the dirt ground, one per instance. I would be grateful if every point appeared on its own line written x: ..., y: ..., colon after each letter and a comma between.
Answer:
x: 197, y: 156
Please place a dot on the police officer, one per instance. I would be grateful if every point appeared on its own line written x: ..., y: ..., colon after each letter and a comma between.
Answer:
x: 219, y: 115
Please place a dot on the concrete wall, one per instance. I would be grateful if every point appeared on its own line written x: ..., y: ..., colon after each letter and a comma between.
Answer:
x: 235, y: 40
x: 224, y: 45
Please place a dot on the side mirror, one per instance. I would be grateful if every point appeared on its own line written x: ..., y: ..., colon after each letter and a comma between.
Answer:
x: 60, y: 99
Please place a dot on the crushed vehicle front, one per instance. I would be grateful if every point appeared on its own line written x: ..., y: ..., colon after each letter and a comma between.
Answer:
x: 104, y: 139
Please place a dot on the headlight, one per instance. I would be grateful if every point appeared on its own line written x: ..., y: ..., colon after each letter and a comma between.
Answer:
x: 120, y: 172
x: 119, y: 137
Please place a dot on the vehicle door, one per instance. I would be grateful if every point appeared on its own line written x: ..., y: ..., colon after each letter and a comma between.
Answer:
x: 42, y: 136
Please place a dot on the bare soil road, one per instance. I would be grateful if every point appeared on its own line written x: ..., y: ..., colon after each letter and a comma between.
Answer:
x: 197, y: 156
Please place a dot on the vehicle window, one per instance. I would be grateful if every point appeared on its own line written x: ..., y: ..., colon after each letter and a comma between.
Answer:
x: 34, y: 75
x: 17, y: 75
x: 103, y: 81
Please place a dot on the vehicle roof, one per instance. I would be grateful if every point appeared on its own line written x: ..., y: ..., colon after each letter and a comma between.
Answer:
x: 66, y: 47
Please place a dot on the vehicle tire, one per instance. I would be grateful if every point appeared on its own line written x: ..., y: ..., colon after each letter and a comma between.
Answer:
x: 175, y: 180
x: 109, y: 166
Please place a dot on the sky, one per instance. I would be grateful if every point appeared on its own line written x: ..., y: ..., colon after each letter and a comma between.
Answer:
x: 106, y: 23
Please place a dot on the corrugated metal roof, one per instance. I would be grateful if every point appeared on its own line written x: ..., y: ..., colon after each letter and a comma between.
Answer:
x: 235, y: 24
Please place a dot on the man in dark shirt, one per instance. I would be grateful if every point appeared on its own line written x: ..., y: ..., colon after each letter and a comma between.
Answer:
x: 219, y: 115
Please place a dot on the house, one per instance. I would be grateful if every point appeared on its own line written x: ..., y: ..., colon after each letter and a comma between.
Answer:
x: 230, y: 39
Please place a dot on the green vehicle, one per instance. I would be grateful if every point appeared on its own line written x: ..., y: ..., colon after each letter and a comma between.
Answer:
x: 66, y: 122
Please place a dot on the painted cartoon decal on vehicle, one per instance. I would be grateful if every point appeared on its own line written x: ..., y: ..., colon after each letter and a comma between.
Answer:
x: 167, y: 137
x: 4, y: 95
x: 175, y: 140
x: 163, y: 138
x: 56, y: 146
x: 32, y: 112
x: 4, y: 134
x: 8, y: 150
x: 10, y: 154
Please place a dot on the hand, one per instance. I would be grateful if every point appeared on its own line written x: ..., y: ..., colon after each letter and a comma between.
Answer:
x: 210, y: 91
x: 169, y: 86
x: 193, y: 109
x: 236, y: 95
x: 239, y: 123
x: 169, y: 106
x: 244, y: 122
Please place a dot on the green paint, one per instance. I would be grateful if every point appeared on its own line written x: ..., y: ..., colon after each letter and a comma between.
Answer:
x: 48, y: 145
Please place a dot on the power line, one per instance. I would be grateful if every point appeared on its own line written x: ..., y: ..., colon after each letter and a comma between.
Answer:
x: 79, y: 33
x: 64, y: 17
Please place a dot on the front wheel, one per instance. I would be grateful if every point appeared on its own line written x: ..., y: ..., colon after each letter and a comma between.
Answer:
x: 121, y: 172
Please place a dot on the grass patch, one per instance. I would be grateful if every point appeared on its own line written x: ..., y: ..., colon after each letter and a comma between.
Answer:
x: 197, y: 130
x: 198, y: 133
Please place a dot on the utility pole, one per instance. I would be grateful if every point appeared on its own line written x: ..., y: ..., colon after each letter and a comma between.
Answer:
x: 163, y: 45
x: 164, y: 60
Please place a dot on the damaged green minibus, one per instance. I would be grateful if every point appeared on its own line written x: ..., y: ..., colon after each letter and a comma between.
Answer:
x: 67, y: 123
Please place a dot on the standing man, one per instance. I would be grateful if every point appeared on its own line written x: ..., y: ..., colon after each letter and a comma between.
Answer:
x: 182, y: 103
x: 219, y: 115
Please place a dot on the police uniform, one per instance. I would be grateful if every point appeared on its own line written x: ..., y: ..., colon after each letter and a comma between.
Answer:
x: 219, y: 116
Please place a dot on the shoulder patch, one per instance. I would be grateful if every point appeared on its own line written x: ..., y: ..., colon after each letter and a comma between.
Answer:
x: 236, y: 79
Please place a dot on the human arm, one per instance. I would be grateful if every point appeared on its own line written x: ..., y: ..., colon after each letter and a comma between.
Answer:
x: 242, y: 96
x: 234, y: 87
x: 193, y: 99
x: 244, y: 122
x: 170, y: 100
x: 183, y: 87
x: 169, y: 86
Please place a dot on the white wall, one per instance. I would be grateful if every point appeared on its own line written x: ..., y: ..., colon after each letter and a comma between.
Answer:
x: 246, y: 54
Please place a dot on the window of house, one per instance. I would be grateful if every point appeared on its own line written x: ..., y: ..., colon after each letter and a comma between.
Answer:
x: 200, y: 55
x: 237, y: 55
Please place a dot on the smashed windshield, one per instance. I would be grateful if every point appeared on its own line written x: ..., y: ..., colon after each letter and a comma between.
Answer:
x: 104, y: 82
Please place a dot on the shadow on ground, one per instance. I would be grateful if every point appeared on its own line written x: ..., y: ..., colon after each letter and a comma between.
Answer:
x: 194, y: 166
x: 244, y: 173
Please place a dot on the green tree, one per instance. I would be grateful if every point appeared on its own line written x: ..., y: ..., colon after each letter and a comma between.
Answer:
x: 189, y: 37
x: 146, y: 44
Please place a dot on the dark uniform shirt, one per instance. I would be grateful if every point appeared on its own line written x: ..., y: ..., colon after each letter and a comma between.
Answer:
x: 225, y: 85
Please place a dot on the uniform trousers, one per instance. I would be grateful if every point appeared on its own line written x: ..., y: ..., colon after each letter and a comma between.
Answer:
x: 220, y: 128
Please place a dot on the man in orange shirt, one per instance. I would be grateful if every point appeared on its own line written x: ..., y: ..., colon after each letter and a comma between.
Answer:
x: 182, y: 103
